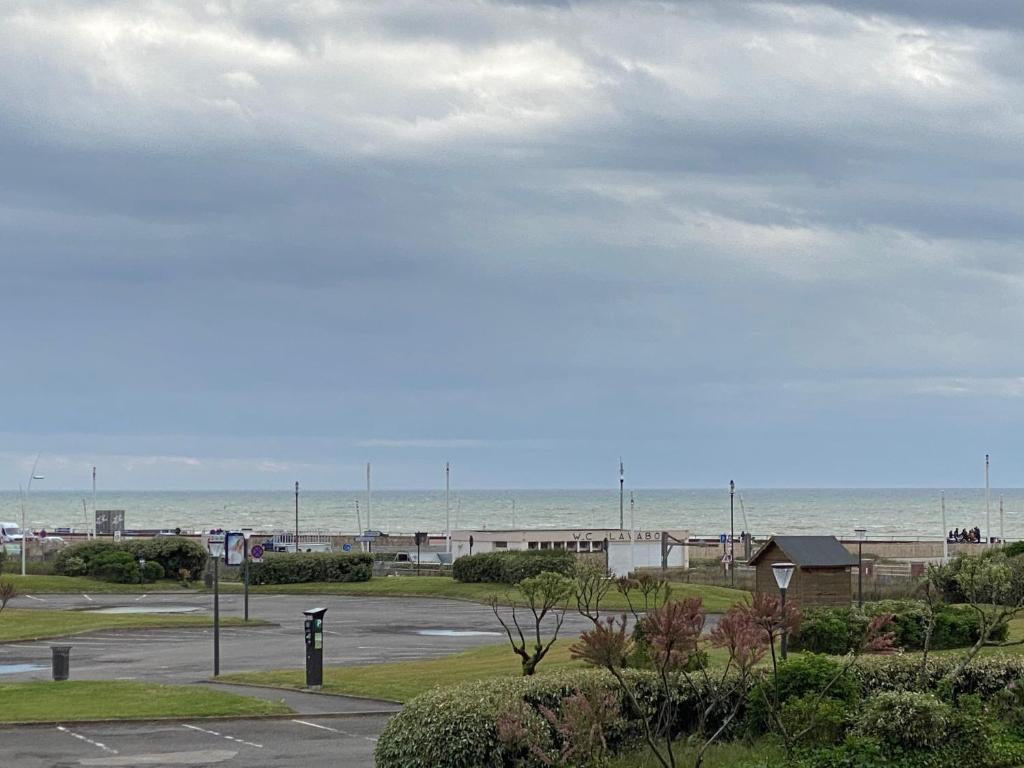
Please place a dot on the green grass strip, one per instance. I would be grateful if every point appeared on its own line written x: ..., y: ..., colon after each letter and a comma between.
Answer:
x: 123, y: 700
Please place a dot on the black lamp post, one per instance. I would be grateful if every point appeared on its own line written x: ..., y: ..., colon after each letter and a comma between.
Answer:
x: 861, y: 534
x: 215, y: 544
x: 296, y: 516
x: 142, y: 570
x: 246, y: 535
x: 783, y: 573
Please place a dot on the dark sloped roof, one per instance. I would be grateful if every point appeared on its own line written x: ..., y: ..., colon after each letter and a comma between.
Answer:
x: 810, y: 551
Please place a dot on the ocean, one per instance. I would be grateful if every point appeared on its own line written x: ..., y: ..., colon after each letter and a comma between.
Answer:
x: 901, y: 512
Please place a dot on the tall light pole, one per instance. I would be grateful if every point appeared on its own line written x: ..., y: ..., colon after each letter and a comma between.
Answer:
x: 783, y: 572
x: 24, y: 498
x: 732, y: 532
x: 215, y: 545
x: 988, y: 512
x: 93, y: 502
x: 296, y: 516
x: 447, y: 507
x: 622, y: 488
x: 861, y: 533
x: 945, y: 533
x: 246, y: 535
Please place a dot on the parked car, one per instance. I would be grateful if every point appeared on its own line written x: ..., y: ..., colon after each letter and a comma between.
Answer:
x: 11, y: 532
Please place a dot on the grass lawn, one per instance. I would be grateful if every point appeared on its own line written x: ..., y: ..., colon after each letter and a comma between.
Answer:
x: 403, y: 680
x: 34, y: 624
x: 88, y: 700
x: 37, y: 585
x: 716, y: 599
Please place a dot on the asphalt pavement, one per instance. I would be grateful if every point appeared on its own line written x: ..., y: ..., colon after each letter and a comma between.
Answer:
x: 304, y: 741
x: 358, y: 630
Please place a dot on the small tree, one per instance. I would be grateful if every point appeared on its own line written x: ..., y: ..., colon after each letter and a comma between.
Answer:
x: 7, y: 593
x: 593, y: 583
x: 993, y: 586
x: 674, y: 635
x: 546, y: 593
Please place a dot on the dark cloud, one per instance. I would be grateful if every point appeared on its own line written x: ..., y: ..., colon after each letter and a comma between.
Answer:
x: 711, y: 232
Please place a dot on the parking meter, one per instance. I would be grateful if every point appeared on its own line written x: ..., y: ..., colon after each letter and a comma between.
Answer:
x: 314, y: 635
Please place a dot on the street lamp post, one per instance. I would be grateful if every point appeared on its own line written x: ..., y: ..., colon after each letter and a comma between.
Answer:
x: 24, y: 529
x: 732, y: 532
x: 861, y: 534
x: 783, y: 572
x: 215, y: 544
x: 246, y: 535
x: 296, y: 517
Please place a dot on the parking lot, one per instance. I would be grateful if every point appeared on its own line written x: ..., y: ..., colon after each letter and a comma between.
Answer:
x: 300, y: 741
x: 358, y: 630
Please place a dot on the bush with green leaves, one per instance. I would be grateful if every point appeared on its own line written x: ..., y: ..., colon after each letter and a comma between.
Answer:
x: 904, y: 719
x: 985, y: 676
x: 799, y: 676
x: 458, y: 726
x: 172, y: 554
x: 837, y: 631
x: 512, y: 566
x: 115, y: 565
x: 306, y: 567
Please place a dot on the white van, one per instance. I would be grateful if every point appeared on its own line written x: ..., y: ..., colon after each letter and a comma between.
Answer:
x: 11, y: 532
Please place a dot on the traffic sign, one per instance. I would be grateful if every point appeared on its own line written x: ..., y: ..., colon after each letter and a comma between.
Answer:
x: 346, y: 547
x: 722, y: 538
x: 726, y: 558
x: 256, y: 552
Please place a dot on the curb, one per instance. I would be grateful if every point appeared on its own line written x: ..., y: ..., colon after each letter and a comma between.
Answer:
x: 207, y: 719
x: 303, y: 690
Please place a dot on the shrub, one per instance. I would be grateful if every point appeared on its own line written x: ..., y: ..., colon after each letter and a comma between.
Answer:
x: 457, y: 726
x: 985, y: 676
x: 904, y: 719
x: 172, y: 553
x: 1014, y: 550
x: 801, y: 676
x: 153, y: 571
x: 512, y: 566
x: 85, y: 552
x: 830, y: 718
x: 117, y: 565
x: 74, y: 566
x: 836, y: 631
x: 305, y: 567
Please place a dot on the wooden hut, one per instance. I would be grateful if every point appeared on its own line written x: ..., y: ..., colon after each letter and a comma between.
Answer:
x: 822, y: 573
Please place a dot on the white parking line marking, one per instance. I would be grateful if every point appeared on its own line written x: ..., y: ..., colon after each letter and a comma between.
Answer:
x: 334, y: 730
x: 104, y: 747
x: 140, y: 597
x: 87, y: 597
x: 224, y: 736
x: 30, y: 597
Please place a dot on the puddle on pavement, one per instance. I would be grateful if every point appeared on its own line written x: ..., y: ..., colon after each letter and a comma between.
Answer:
x: 14, y: 669
x: 147, y: 609
x: 454, y: 633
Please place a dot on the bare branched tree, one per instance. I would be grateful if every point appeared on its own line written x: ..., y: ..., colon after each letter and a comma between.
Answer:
x: 7, y: 593
x: 546, y: 593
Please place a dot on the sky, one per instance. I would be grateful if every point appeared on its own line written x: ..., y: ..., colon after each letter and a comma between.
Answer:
x: 248, y: 243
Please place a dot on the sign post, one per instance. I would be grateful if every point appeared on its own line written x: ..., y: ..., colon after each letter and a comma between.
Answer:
x: 314, y: 635
x: 421, y: 538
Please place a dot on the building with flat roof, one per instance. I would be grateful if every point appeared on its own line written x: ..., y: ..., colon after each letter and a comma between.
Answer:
x: 624, y: 550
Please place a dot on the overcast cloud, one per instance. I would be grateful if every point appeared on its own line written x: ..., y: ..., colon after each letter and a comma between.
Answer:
x: 246, y: 243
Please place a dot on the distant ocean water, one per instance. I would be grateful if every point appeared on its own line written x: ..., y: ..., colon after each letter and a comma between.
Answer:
x: 884, y: 512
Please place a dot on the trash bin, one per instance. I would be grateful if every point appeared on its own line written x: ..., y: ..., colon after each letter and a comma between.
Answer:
x: 61, y: 661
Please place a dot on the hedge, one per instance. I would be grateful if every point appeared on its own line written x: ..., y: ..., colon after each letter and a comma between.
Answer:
x: 304, y: 567
x: 108, y: 560
x: 457, y: 727
x: 839, y: 630
x: 984, y: 676
x: 512, y: 566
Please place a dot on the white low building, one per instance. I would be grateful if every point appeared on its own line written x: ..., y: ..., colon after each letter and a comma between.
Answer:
x: 626, y: 550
